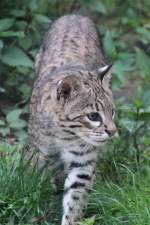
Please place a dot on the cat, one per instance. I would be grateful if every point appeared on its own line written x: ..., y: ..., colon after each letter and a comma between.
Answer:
x: 71, y: 108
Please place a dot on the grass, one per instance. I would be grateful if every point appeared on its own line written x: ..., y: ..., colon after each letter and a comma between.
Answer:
x: 23, y: 190
x: 126, y: 203
x: 26, y: 197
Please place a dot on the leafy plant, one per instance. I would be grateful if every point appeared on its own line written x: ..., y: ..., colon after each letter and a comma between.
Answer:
x: 89, y: 221
x: 13, y: 124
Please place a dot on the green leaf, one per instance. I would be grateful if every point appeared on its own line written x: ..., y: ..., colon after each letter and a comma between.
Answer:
x: 18, y: 13
x: 14, y: 56
x: 109, y: 45
x: 127, y: 60
x: 25, y: 42
x: 146, y: 140
x: 17, y: 124
x: 1, y: 44
x: 6, y: 23
x: 122, y: 65
x: 25, y: 90
x: 146, y: 98
x: 144, y: 114
x: 22, y: 25
x: 33, y: 52
x: 128, y: 124
x: 4, y: 131
x: 12, y: 34
x: 13, y: 115
x: 88, y: 221
x: 6, y: 148
x: 14, y: 121
x: 21, y: 134
x: 33, y: 5
x: 42, y: 19
x: 119, y: 70
x: 142, y: 62
x: 144, y: 34
x: 2, y: 90
x: 131, y: 125
x: 2, y: 123
x: 96, y: 6
x: 138, y: 103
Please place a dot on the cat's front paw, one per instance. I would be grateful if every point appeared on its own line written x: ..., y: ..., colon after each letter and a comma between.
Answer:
x: 67, y: 220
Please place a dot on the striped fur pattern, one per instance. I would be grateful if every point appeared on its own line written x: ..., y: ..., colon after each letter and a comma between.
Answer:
x: 71, y: 108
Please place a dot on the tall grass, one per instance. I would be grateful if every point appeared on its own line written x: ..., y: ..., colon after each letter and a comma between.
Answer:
x: 26, y: 196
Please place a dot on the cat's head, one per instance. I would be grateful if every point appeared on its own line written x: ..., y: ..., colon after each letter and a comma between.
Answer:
x: 84, y: 105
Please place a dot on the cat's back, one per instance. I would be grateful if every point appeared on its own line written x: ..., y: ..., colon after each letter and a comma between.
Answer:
x: 72, y: 39
x: 70, y: 47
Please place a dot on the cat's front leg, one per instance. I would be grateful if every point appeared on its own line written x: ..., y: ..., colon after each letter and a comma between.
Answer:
x: 77, y: 187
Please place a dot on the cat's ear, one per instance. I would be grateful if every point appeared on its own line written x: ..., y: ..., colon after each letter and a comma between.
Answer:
x: 67, y: 88
x: 105, y: 75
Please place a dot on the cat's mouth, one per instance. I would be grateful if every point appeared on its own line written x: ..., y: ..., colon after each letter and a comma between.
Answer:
x: 95, y: 139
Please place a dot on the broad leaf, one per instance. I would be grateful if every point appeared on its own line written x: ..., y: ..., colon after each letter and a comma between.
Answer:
x: 88, y: 221
x: 25, y: 42
x: 142, y: 62
x: 4, y: 131
x: 14, y: 56
x: 17, y: 124
x: 109, y: 45
x: 20, y: 134
x: 6, y: 23
x: 96, y: 6
x: 119, y: 70
x: 2, y: 123
x: 131, y: 125
x: 144, y: 34
x: 2, y: 90
x: 18, y: 13
x: 146, y: 98
x: 42, y: 19
x: 12, y: 34
x: 127, y: 60
x: 144, y: 114
x: 1, y: 44
x: 13, y: 115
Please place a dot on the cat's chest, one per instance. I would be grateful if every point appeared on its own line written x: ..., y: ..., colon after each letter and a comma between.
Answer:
x: 78, y: 154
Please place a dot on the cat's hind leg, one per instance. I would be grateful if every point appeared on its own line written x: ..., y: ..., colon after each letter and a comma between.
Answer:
x: 56, y: 168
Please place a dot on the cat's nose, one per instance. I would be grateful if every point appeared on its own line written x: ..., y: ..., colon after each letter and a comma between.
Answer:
x: 111, y: 130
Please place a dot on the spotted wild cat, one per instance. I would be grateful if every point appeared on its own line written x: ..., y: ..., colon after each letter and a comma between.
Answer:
x: 71, y: 108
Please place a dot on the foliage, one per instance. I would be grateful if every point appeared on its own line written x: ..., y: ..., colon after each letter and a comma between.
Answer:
x: 21, y: 29
x: 120, y: 195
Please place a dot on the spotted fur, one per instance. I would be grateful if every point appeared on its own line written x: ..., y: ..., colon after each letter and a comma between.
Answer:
x: 71, y: 107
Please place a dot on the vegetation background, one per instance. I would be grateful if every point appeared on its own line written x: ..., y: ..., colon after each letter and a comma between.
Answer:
x: 121, y: 195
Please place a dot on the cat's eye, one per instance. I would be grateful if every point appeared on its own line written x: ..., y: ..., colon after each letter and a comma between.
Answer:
x: 94, y: 116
